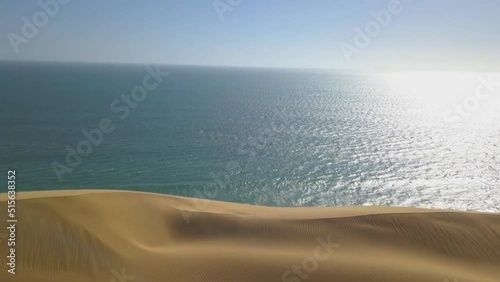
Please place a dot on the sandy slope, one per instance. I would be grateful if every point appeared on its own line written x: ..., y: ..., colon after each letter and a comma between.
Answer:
x: 116, y: 236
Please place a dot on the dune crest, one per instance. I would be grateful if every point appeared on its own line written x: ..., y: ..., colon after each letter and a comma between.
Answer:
x: 119, y: 236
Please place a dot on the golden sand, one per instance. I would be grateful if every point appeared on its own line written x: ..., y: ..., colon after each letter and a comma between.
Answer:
x: 118, y: 236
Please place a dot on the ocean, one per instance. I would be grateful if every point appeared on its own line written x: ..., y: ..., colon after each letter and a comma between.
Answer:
x: 278, y: 137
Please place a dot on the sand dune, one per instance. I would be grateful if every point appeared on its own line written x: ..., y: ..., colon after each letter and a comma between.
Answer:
x: 118, y: 236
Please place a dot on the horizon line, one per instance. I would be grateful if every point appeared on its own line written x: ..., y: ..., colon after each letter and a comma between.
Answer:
x: 378, y: 69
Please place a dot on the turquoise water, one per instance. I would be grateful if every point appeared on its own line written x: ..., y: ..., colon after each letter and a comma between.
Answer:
x: 261, y: 136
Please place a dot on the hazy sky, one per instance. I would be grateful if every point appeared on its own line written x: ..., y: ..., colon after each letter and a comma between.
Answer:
x: 425, y: 34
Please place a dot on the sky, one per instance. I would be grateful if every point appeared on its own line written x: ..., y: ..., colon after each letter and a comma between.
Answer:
x: 417, y: 35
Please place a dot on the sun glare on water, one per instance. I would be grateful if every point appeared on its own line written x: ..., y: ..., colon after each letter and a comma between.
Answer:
x: 436, y: 89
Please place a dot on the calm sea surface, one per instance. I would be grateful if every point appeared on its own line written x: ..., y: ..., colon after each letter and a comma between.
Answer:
x: 260, y: 136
